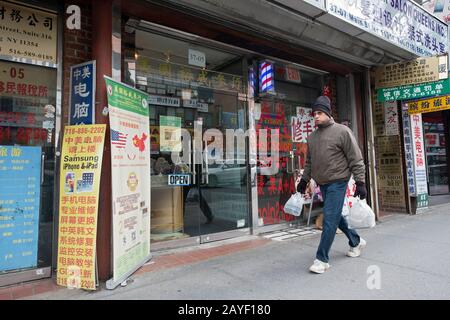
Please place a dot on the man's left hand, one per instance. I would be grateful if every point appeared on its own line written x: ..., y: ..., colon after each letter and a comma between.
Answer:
x: 361, y: 190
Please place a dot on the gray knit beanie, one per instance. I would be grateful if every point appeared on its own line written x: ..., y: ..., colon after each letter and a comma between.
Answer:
x: 323, y: 104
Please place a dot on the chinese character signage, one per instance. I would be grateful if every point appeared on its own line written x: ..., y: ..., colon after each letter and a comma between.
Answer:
x: 411, y: 72
x: 164, y: 101
x: 82, y: 93
x: 419, y: 154
x: 27, y: 33
x: 156, y: 78
x: 409, y: 155
x: 130, y: 162
x: 402, y: 23
x: 429, y: 105
x: 20, y: 181
x: 292, y: 75
x: 390, y: 172
x: 409, y: 92
x: 302, y: 125
x: 81, y: 164
x: 391, y: 118
x: 25, y: 81
x: 170, y: 134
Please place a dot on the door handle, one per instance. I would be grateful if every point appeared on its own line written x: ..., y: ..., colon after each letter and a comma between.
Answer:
x: 194, y: 173
x: 206, y: 165
x: 42, y: 167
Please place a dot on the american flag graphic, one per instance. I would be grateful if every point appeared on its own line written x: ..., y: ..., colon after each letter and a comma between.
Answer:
x: 266, y: 76
x: 118, y: 139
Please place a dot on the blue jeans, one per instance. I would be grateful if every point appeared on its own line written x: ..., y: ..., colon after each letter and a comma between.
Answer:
x: 333, y: 195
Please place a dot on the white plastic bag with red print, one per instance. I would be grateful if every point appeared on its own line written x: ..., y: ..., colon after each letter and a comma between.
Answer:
x: 295, y: 204
x: 356, y: 211
x: 349, y: 199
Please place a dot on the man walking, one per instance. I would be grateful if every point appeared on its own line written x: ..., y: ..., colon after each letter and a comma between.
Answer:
x: 333, y: 155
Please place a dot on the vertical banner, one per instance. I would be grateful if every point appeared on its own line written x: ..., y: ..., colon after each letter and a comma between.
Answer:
x: 409, y: 156
x: 81, y: 165
x: 82, y: 93
x: 20, y: 181
x: 419, y: 160
x: 130, y: 163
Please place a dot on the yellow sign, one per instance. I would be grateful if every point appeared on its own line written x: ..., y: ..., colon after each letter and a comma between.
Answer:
x: 417, y: 71
x: 27, y: 32
x: 429, y: 105
x: 81, y: 163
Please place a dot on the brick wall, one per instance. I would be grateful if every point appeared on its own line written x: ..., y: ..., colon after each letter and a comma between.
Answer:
x: 77, y: 49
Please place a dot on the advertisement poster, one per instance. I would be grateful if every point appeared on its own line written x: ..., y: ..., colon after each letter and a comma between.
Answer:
x: 130, y: 162
x: 302, y: 125
x: 170, y: 134
x: 20, y: 181
x: 82, y: 93
x: 81, y: 165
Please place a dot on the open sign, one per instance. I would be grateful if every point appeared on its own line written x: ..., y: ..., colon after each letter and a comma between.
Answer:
x: 179, y: 180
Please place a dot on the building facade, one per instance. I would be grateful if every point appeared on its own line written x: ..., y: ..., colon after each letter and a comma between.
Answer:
x: 213, y: 72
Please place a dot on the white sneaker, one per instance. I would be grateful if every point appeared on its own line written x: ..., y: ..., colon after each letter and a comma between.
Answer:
x: 319, y: 266
x: 356, y: 251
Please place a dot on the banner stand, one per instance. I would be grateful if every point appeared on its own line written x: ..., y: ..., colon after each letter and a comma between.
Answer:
x: 111, y: 284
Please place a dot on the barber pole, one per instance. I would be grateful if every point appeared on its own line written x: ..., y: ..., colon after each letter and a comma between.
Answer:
x: 266, y: 77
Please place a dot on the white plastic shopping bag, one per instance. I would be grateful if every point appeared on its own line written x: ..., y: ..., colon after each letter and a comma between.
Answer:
x: 359, y: 214
x: 295, y: 204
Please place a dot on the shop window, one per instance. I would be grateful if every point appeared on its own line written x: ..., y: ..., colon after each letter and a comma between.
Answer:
x: 27, y: 167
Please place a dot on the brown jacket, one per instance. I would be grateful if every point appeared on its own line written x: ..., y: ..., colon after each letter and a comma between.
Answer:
x: 333, y: 155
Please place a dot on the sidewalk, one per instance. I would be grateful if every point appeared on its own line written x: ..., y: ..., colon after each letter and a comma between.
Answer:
x: 408, y: 254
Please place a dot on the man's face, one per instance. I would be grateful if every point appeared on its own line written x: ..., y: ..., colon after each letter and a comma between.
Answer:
x: 321, y: 118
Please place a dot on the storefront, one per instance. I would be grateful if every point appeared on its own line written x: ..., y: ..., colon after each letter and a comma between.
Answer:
x: 412, y: 134
x: 436, y: 131
x: 29, y: 129
x: 432, y: 117
x: 214, y: 75
x: 210, y: 94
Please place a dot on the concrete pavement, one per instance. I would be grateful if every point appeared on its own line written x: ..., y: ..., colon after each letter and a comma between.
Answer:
x: 407, y: 257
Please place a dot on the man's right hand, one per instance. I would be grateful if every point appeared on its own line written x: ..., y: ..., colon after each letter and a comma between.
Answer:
x: 301, y: 187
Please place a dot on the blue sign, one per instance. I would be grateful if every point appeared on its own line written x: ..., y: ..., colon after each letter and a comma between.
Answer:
x: 20, y: 182
x: 82, y: 94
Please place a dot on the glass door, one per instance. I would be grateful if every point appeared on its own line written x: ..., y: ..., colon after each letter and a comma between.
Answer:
x: 436, y: 152
x: 199, y: 180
